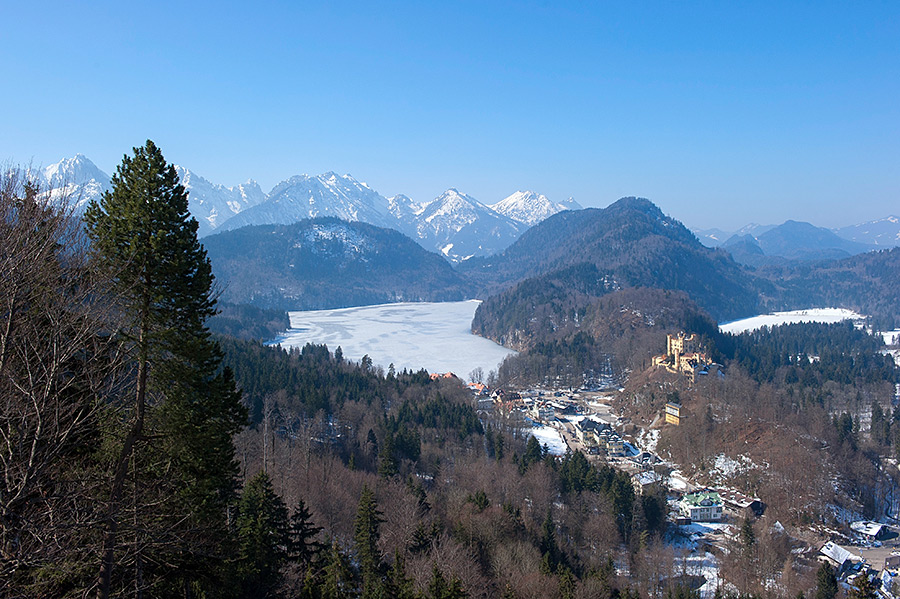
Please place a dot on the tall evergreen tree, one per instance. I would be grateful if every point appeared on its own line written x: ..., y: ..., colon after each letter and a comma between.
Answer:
x: 826, y: 583
x: 263, y: 537
x: 185, y: 408
x: 303, y: 547
x: 366, y: 534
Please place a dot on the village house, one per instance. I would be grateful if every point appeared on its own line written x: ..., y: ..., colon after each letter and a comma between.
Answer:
x: 703, y: 506
x: 612, y: 443
x: 871, y: 531
x: 673, y: 413
x: 588, y: 431
x: 741, y: 504
x: 839, y: 558
x: 542, y: 411
x: 648, y: 479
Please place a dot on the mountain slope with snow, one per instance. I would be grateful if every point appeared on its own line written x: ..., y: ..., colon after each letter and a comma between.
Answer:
x: 883, y: 232
x: 212, y: 204
x: 530, y: 208
x: 459, y: 226
x: 76, y: 181
x: 305, y: 196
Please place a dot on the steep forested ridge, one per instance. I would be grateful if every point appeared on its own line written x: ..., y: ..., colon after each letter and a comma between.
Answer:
x: 868, y: 283
x: 632, y: 244
x: 328, y: 263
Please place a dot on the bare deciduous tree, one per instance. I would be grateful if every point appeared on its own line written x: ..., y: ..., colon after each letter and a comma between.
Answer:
x: 55, y: 368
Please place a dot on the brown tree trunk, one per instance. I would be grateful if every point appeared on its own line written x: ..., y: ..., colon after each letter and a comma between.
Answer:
x: 115, y: 499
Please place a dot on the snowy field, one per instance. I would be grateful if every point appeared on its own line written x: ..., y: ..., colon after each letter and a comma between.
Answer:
x: 433, y: 336
x: 549, y: 436
x: 828, y: 315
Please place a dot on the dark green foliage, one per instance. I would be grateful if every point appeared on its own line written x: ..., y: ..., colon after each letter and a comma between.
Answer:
x: 338, y: 581
x: 311, y: 378
x: 438, y: 413
x: 533, y: 454
x: 748, y: 536
x: 186, y: 409
x: 826, y: 583
x: 550, y: 553
x: 397, y: 584
x: 682, y: 592
x: 479, y: 500
x: 578, y: 475
x: 654, y: 507
x: 302, y: 546
x: 262, y: 536
x: 567, y: 583
x: 387, y: 460
x: 439, y: 588
x: 863, y: 588
x: 880, y: 426
x: 248, y: 322
x: 366, y: 534
x: 845, y: 429
x: 810, y: 354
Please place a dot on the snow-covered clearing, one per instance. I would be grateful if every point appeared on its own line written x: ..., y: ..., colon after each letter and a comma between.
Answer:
x: 429, y: 335
x: 549, y: 436
x: 827, y: 315
x: 891, y: 337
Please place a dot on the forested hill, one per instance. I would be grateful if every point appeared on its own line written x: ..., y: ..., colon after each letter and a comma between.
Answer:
x: 868, y: 283
x: 631, y: 243
x: 328, y: 263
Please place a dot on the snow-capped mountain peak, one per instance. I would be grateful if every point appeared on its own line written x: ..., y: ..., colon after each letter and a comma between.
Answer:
x: 212, y: 204
x: 76, y: 181
x: 306, y: 196
x: 530, y: 208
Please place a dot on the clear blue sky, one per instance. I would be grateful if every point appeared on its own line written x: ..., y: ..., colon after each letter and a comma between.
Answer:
x: 722, y: 113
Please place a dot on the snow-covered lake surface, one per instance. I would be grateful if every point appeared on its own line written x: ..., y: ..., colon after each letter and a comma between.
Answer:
x: 827, y: 315
x: 433, y: 336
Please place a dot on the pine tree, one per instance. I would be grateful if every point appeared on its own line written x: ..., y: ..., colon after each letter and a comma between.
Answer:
x: 863, y: 588
x: 262, y: 532
x: 338, y: 576
x: 366, y: 534
x: 185, y: 408
x: 826, y: 583
x: 302, y: 546
x: 398, y: 585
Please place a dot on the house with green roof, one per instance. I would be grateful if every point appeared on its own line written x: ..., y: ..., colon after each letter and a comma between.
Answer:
x: 703, y: 506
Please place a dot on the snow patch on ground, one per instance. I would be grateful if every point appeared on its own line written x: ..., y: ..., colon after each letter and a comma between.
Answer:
x: 826, y: 315
x: 549, y: 436
x: 647, y: 440
x: 891, y: 337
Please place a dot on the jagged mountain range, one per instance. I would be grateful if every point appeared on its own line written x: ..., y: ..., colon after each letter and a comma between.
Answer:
x: 454, y: 224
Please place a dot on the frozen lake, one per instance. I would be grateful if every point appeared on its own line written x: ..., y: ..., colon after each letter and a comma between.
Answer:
x: 827, y: 315
x: 433, y: 336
